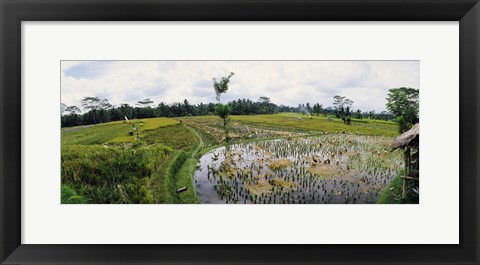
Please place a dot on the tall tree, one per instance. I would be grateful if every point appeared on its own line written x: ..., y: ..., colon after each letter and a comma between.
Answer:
x: 63, y: 107
x: 317, y: 108
x: 188, y: 108
x: 358, y: 114
x: 403, y: 103
x: 309, y: 108
x: 69, y: 115
x: 222, y: 110
x: 95, y: 105
x: 221, y: 86
x: 72, y: 110
x: 342, y: 106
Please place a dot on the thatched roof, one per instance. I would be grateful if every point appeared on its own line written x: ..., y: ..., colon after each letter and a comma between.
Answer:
x: 406, y: 138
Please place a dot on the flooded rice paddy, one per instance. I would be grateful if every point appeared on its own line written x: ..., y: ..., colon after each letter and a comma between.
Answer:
x: 339, y: 168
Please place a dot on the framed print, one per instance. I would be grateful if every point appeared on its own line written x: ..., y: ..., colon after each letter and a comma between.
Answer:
x: 239, y: 132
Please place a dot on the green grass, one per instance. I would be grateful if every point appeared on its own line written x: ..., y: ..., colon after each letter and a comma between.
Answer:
x: 177, y: 137
x: 186, y: 179
x: 180, y: 174
x: 98, y: 134
x: 283, y: 125
x: 111, y: 175
x: 393, y: 193
x: 304, y: 123
x: 109, y: 132
x: 155, y: 123
x: 103, y: 164
x: 69, y: 196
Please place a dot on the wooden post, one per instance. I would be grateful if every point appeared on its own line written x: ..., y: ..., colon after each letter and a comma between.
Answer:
x: 406, y: 171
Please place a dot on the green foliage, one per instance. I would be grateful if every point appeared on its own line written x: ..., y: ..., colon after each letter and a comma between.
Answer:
x: 317, y: 109
x: 69, y: 196
x: 223, y: 111
x: 185, y: 178
x: 97, y: 134
x: 393, y: 192
x: 403, y: 104
x: 221, y: 86
x: 113, y: 174
x: 154, y: 123
x: 342, y: 106
x: 180, y: 174
x: 105, y: 164
x: 171, y: 176
x: 176, y: 136
x: 112, y: 132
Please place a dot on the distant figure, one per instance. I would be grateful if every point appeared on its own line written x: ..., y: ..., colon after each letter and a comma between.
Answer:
x: 133, y: 127
x: 138, y: 136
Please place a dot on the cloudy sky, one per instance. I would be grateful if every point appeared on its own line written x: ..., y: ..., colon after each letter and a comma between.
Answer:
x: 285, y: 82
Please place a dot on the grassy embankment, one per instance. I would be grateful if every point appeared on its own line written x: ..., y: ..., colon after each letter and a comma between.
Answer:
x: 104, y: 164
x: 393, y: 192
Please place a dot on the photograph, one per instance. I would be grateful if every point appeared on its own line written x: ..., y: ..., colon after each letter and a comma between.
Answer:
x: 240, y: 132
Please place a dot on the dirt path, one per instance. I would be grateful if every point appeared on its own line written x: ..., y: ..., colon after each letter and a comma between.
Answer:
x: 77, y: 128
x: 200, y: 144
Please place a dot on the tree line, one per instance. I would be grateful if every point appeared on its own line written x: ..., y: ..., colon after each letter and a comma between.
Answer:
x: 402, y: 104
x: 100, y: 110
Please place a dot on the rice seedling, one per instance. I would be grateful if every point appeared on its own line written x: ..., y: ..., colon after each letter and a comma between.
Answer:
x: 298, y: 170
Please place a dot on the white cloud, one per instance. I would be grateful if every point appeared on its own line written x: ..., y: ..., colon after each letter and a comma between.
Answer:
x: 285, y: 82
x: 65, y: 65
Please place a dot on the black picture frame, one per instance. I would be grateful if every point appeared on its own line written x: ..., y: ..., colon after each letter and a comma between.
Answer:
x: 13, y: 12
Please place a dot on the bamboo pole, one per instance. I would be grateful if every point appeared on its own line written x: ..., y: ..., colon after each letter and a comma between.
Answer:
x: 408, y: 177
x: 406, y: 171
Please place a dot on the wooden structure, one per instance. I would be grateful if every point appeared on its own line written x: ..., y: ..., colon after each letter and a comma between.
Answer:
x: 409, y: 142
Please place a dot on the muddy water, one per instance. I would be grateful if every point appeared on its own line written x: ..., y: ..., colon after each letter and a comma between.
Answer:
x: 324, y: 169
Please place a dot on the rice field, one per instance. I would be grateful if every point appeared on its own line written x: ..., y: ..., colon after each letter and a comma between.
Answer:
x: 335, y: 168
x: 120, y: 162
x: 286, y: 158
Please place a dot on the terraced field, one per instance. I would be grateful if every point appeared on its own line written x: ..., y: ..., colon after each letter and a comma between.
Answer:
x: 119, y: 163
x: 282, y: 158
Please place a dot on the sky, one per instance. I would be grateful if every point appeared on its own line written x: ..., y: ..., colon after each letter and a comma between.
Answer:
x: 285, y: 82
